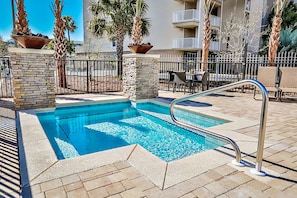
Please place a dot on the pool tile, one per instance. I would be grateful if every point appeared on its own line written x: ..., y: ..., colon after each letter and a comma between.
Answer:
x: 57, y: 192
x: 203, y: 192
x: 216, y: 188
x: 98, y: 193
x: 87, y: 175
x: 115, y: 188
x: 131, y: 172
x: 134, y: 192
x: 117, y: 177
x: 105, y: 170
x: 96, y: 183
x: 70, y: 179
x: 73, y: 186
x: 143, y: 183
x: 128, y: 184
x: 78, y: 193
x: 52, y: 184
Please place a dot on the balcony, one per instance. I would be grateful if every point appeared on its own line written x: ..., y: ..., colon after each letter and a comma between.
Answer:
x: 186, y: 43
x: 215, y: 21
x: 186, y: 18
x: 190, y: 18
x: 193, y: 44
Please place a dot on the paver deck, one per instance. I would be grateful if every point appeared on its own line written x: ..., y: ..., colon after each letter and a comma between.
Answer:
x: 124, y: 179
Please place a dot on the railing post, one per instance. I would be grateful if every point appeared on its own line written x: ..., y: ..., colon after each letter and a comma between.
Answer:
x: 263, y: 118
x: 88, y: 84
x: 261, y: 136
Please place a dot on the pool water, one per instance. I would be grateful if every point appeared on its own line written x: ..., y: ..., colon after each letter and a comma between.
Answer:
x: 84, y: 129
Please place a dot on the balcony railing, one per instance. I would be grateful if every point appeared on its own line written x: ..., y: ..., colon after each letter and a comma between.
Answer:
x: 192, y: 16
x: 185, y: 16
x: 215, y: 20
x: 186, y: 43
x: 193, y: 43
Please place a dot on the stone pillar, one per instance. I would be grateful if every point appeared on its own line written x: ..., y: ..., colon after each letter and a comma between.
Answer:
x: 140, y: 76
x: 33, y: 78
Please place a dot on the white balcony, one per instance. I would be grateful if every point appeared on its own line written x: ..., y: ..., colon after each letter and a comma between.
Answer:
x: 215, y: 21
x: 191, y: 18
x: 186, y: 43
x: 193, y: 44
x: 186, y: 18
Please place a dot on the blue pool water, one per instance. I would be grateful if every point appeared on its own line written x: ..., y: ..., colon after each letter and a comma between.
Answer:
x: 84, y: 129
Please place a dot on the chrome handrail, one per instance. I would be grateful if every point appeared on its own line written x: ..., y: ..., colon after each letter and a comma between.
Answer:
x: 263, y: 118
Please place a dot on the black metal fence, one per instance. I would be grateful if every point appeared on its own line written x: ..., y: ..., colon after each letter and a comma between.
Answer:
x: 220, y: 71
x: 6, y: 89
x: 99, y: 76
x: 88, y: 76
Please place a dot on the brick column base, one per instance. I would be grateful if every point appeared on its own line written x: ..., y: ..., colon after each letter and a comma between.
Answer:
x: 33, y: 78
x: 140, y: 76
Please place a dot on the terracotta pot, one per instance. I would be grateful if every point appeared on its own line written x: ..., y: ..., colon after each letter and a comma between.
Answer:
x: 27, y: 41
x: 141, y: 49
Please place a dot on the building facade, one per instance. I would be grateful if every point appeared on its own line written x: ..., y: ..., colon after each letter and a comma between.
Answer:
x: 177, y: 25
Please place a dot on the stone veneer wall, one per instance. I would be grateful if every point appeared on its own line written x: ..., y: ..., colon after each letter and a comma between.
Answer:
x: 33, y: 78
x: 140, y: 76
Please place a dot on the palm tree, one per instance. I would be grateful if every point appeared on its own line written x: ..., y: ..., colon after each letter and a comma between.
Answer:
x: 273, y: 44
x: 13, y: 16
x: 22, y: 22
x: 288, y: 40
x: 60, y: 42
x: 114, y: 17
x: 208, y: 6
x: 140, y: 11
x: 289, y: 20
x: 69, y: 24
x: 70, y: 27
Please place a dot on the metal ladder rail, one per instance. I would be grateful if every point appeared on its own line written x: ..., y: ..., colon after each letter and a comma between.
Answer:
x: 262, y: 128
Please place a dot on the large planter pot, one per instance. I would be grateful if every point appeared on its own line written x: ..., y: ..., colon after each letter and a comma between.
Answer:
x: 27, y: 41
x: 141, y: 49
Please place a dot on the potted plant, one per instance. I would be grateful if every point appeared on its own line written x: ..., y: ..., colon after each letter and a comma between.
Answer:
x: 22, y: 33
x: 139, y: 28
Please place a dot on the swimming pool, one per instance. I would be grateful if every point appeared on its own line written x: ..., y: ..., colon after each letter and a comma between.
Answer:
x: 84, y: 129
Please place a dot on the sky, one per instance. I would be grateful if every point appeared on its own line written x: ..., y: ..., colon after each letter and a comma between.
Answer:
x: 41, y: 18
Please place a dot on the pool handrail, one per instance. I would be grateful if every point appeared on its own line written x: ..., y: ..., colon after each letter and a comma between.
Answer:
x: 263, y: 118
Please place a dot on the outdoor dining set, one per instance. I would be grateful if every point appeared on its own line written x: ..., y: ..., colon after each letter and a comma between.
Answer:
x: 180, y: 80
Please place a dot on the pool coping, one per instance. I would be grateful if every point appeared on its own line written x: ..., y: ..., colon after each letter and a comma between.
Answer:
x: 38, y: 161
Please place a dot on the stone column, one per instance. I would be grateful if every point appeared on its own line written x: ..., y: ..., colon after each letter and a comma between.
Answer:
x: 33, y: 78
x: 140, y: 76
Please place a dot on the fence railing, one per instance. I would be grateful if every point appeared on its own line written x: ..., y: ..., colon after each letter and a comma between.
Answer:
x: 88, y: 76
x: 220, y: 72
x: 98, y: 76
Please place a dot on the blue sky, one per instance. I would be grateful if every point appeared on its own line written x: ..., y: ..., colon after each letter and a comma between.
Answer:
x: 41, y: 18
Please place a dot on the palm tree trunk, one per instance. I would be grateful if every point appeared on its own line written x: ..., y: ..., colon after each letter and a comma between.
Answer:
x: 275, y: 32
x: 60, y: 43
x: 274, y: 39
x: 120, y: 42
x: 13, y: 16
x: 61, y: 73
x: 206, y: 41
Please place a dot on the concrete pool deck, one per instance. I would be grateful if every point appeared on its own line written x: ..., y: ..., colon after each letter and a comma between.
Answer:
x: 133, y: 172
